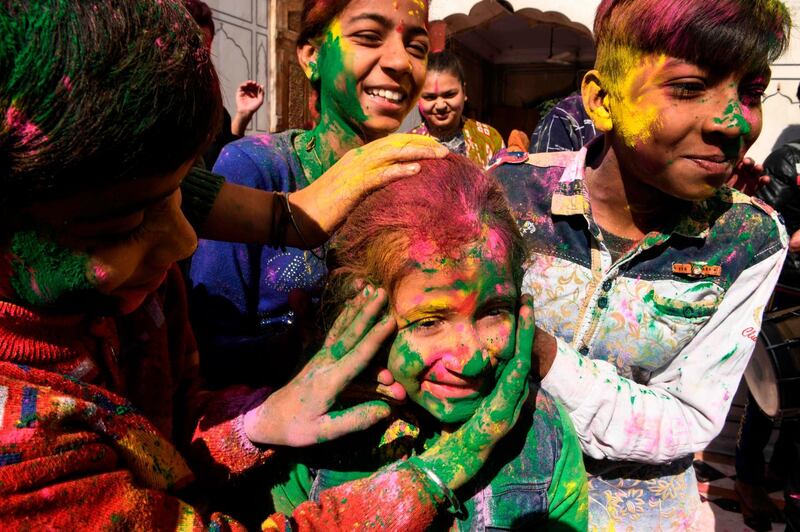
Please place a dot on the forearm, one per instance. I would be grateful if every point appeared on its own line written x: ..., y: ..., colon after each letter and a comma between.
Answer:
x: 239, y: 123
x: 684, y: 404
x: 396, y: 498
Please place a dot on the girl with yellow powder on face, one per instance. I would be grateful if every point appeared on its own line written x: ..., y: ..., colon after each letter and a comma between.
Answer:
x: 649, y: 275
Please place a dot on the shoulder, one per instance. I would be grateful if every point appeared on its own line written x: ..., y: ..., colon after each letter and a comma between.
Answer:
x: 532, y: 178
x: 256, y: 160
x: 740, y: 227
x: 420, y: 129
x: 546, y: 427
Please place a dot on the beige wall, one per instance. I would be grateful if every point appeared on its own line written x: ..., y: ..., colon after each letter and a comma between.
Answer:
x: 240, y: 51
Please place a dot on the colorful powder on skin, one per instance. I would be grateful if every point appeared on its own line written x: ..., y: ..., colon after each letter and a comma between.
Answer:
x: 635, y: 119
x: 44, y: 273
x: 341, y: 114
x: 734, y: 118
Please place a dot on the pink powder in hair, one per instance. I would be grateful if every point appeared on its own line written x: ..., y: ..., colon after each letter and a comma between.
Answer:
x: 26, y: 130
x: 67, y: 82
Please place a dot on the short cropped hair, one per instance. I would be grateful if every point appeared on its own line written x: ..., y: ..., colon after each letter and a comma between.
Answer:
x: 95, y: 93
x: 725, y: 36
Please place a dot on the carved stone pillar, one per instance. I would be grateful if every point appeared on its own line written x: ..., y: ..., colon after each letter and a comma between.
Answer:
x: 292, y: 89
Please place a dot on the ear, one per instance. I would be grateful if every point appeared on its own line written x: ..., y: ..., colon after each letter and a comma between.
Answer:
x: 307, y: 56
x: 596, y: 101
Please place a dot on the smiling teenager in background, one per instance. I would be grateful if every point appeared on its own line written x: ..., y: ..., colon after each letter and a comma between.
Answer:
x: 441, y: 105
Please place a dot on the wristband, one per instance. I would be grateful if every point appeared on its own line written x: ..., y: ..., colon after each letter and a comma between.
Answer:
x: 454, y: 505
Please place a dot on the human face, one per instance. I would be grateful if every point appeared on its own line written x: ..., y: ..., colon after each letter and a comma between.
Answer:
x: 456, y: 324
x: 442, y: 102
x: 681, y: 128
x: 372, y: 65
x: 110, y: 246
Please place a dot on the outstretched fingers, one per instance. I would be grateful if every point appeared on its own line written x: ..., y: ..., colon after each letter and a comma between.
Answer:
x: 353, y: 419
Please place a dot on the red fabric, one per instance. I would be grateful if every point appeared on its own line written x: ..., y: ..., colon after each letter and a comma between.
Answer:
x: 94, y: 414
x: 395, y: 499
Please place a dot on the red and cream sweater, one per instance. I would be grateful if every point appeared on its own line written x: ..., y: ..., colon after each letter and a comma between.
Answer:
x: 98, y: 415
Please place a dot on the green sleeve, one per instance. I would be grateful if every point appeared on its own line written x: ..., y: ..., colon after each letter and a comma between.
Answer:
x: 569, y: 489
x: 291, y: 493
x: 199, y: 190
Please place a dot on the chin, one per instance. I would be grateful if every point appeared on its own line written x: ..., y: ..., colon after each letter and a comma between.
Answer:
x: 377, y: 128
x: 450, y: 412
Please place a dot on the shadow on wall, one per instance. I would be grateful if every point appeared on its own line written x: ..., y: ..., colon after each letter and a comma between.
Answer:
x: 790, y: 134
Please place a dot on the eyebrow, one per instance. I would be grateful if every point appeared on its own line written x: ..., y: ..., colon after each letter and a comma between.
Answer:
x: 127, y: 211
x: 386, y: 23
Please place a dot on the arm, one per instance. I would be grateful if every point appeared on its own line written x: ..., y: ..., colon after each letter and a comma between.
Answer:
x: 249, y: 98
x: 685, y: 403
x: 568, y: 494
x: 395, y: 498
x: 244, y: 214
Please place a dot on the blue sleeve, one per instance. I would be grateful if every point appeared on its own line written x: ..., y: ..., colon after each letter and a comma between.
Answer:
x: 239, y: 308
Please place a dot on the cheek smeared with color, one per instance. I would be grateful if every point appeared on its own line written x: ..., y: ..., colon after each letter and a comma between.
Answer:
x: 44, y: 273
x: 733, y: 117
x: 634, y: 118
x: 335, y: 55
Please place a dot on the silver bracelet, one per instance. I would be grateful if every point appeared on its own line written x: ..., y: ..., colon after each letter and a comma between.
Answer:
x: 455, y: 507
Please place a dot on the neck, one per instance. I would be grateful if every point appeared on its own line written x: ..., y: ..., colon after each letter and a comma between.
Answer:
x: 622, y: 204
x: 327, y: 143
x: 441, y: 133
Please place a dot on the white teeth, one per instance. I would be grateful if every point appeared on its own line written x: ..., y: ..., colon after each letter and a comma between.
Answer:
x: 392, y: 96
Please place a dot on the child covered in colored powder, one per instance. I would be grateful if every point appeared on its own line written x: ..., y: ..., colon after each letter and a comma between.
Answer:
x: 100, y: 408
x: 649, y: 276
x: 441, y: 105
x: 446, y: 248
x: 366, y: 61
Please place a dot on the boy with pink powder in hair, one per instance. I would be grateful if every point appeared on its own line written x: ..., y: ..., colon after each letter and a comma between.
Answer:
x: 649, y: 276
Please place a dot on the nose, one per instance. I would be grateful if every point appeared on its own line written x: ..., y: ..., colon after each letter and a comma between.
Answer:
x: 177, y: 239
x: 469, y: 359
x: 730, y: 121
x: 395, y: 57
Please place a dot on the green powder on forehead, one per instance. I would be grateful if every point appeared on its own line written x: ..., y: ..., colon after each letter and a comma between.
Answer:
x: 44, y: 272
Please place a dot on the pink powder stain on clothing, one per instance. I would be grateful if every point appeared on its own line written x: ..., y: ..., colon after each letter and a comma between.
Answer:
x: 266, y: 140
x: 27, y: 131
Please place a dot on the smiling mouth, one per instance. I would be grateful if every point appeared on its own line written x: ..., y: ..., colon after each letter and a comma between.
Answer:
x: 714, y: 164
x: 452, y: 390
x: 388, y: 95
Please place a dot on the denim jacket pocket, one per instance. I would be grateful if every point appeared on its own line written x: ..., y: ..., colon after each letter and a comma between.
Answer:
x: 517, y: 507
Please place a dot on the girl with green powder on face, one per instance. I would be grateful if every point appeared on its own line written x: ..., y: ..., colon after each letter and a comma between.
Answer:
x: 101, y: 415
x: 453, y: 278
x: 366, y: 60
